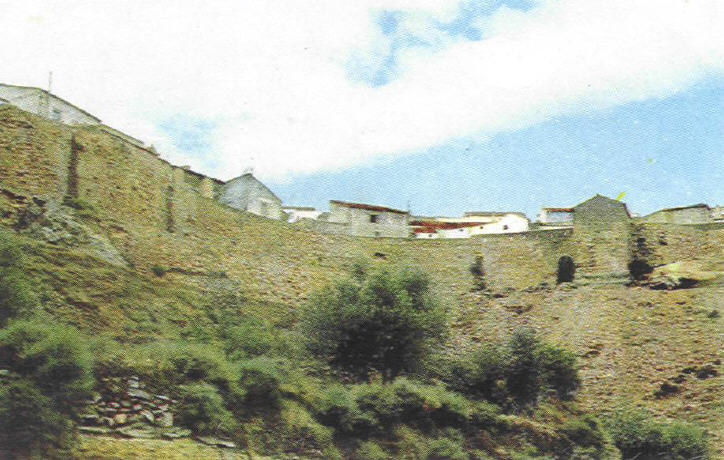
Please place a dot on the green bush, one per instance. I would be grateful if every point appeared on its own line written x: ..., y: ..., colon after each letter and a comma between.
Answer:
x: 166, y: 364
x: 370, y: 450
x: 54, y: 357
x: 559, y: 370
x: 584, y: 432
x: 202, y: 409
x: 249, y: 340
x: 17, y: 293
x: 301, y: 432
x: 158, y: 270
x: 638, y: 436
x: 481, y: 373
x: 337, y: 407
x: 30, y: 424
x: 516, y: 373
x: 523, y: 372
x: 385, y: 322
x: 261, y: 379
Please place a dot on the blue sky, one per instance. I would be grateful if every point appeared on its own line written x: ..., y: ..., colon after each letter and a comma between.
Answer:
x: 450, y: 106
x: 661, y: 153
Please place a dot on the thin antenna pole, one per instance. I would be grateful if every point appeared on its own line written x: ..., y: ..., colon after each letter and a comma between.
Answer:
x: 50, y: 81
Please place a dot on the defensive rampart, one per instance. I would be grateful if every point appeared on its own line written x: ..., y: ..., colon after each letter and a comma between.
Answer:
x: 158, y: 214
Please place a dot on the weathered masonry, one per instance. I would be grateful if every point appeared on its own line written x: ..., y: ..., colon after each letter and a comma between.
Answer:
x: 138, y: 198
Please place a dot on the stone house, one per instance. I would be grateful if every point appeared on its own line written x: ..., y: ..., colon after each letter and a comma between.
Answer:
x: 694, y: 214
x: 369, y: 220
x: 246, y: 193
x: 601, y: 229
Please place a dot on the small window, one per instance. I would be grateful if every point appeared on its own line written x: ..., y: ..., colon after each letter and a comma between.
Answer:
x: 374, y: 218
x: 505, y: 227
x: 56, y: 115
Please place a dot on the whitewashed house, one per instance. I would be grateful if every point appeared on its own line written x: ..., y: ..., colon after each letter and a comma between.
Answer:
x: 246, y: 193
x: 45, y: 104
x: 470, y: 224
x: 296, y: 213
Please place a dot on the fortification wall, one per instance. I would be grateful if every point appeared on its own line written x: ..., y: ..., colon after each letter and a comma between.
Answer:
x: 156, y: 214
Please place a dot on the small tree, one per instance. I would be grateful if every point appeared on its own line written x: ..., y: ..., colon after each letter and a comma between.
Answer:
x: 383, y: 321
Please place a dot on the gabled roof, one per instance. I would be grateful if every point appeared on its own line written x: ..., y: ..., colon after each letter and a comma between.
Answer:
x: 367, y: 207
x: 249, y: 178
x: 54, y: 96
x: 598, y: 196
x: 681, y: 208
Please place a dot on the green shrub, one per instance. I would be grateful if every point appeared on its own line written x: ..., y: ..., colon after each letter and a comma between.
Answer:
x: 17, y: 293
x: 514, y: 373
x: 584, y: 432
x: 30, y: 424
x: 302, y: 433
x: 54, y: 357
x: 559, y: 370
x: 202, y: 409
x: 638, y: 436
x: 261, y: 379
x: 481, y: 374
x: 158, y: 270
x: 370, y: 450
x: 249, y: 340
x: 337, y: 407
x: 381, y: 321
x: 413, y: 444
x: 523, y: 371
x: 486, y: 415
x: 166, y: 364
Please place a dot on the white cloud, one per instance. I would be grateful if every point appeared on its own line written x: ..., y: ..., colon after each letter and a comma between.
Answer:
x: 273, y: 75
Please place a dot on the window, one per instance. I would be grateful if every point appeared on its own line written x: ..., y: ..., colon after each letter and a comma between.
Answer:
x: 374, y: 218
x: 56, y: 115
x: 264, y: 209
x: 505, y: 227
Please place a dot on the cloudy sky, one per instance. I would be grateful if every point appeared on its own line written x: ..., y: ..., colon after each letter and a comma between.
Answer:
x: 446, y: 106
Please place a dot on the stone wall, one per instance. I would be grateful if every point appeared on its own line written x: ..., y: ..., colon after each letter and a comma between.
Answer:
x: 155, y: 214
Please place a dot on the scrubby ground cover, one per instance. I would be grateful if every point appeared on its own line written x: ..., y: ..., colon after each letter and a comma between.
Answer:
x: 479, y: 377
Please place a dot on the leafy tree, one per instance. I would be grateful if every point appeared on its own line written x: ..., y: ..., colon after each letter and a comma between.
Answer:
x: 55, y: 358
x: 382, y: 321
x: 30, y: 423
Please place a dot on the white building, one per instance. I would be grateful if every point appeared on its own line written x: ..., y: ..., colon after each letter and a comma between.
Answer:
x: 45, y: 104
x: 295, y: 213
x: 246, y: 193
x: 470, y: 224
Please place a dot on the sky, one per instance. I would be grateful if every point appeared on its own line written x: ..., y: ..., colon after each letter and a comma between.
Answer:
x: 437, y: 106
